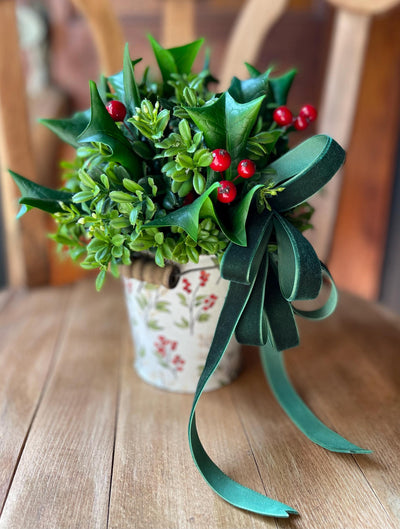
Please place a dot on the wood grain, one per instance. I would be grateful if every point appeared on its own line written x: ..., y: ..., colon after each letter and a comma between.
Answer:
x: 155, y: 482
x: 63, y: 476
x: 178, y: 22
x: 86, y: 443
x: 26, y: 244
x: 255, y: 19
x: 106, y: 32
x: 29, y: 331
x: 338, y: 107
x: 360, y: 236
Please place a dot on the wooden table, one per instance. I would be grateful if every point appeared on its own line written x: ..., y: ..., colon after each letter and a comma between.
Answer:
x: 85, y: 444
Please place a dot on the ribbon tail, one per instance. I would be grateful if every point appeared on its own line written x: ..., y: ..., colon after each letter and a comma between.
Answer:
x: 297, y: 410
x: 229, y: 490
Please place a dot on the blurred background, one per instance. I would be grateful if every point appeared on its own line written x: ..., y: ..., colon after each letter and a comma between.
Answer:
x: 60, y: 56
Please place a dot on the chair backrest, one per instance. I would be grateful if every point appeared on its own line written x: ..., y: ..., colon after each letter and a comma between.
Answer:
x: 27, y: 249
x: 26, y: 244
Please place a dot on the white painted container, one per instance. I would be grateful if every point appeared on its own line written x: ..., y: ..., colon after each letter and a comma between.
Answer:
x: 172, y: 329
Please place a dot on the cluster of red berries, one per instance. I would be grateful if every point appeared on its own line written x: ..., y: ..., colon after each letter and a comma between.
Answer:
x: 221, y: 162
x: 203, y: 278
x: 209, y: 302
x: 187, y: 285
x: 178, y: 362
x: 163, y: 346
x: 284, y: 117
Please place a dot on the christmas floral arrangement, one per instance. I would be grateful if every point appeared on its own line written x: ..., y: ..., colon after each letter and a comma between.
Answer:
x: 176, y: 170
x: 170, y: 167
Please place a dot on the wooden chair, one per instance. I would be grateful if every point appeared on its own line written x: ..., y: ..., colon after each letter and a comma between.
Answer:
x: 27, y: 247
x: 26, y: 242
x: 355, y: 259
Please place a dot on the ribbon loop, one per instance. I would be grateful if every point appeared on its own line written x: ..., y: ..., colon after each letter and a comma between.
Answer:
x: 299, y: 269
x: 253, y: 327
x: 241, y: 263
x: 304, y: 170
x: 283, y: 333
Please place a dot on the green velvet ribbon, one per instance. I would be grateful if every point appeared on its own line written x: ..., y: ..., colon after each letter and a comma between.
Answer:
x: 258, y: 308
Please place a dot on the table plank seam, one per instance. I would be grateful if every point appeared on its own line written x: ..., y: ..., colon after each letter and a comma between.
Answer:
x: 116, y: 420
x: 252, y: 454
x: 54, y: 356
x: 389, y: 515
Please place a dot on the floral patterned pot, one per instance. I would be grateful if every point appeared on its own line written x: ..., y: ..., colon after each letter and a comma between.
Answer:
x: 173, y: 328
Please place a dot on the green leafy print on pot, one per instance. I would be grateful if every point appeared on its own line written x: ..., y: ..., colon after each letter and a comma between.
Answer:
x: 149, y: 302
x: 146, y: 177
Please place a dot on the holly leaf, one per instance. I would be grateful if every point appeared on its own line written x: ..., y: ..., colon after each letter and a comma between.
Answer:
x: 239, y: 120
x: 117, y: 82
x: 249, y: 89
x: 253, y: 72
x: 237, y: 216
x: 184, y: 56
x: 69, y: 129
x: 175, y: 60
x: 227, y: 124
x: 232, y: 219
x: 103, y: 129
x: 103, y: 88
x: 210, y: 119
x: 280, y: 86
x: 131, y: 90
x: 165, y: 59
x: 187, y: 217
x: 37, y: 196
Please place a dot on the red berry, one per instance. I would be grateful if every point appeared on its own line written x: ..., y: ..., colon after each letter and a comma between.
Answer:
x: 246, y: 168
x: 189, y: 198
x: 226, y: 192
x: 117, y: 110
x: 309, y: 112
x: 221, y: 160
x: 282, y: 116
x: 300, y: 123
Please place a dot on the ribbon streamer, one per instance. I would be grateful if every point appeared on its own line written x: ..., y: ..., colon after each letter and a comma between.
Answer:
x: 258, y: 309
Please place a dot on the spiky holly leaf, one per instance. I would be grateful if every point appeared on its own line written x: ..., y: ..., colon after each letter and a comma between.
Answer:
x: 117, y: 82
x: 103, y: 129
x: 184, y: 56
x: 175, y: 60
x: 249, y: 89
x: 187, y: 217
x: 37, y: 196
x: 69, y: 129
x: 231, y: 220
x: 132, y: 97
x: 280, y: 86
x: 253, y: 72
x: 227, y: 124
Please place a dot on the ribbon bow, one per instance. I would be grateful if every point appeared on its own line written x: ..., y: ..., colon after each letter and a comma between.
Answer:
x: 258, y: 308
